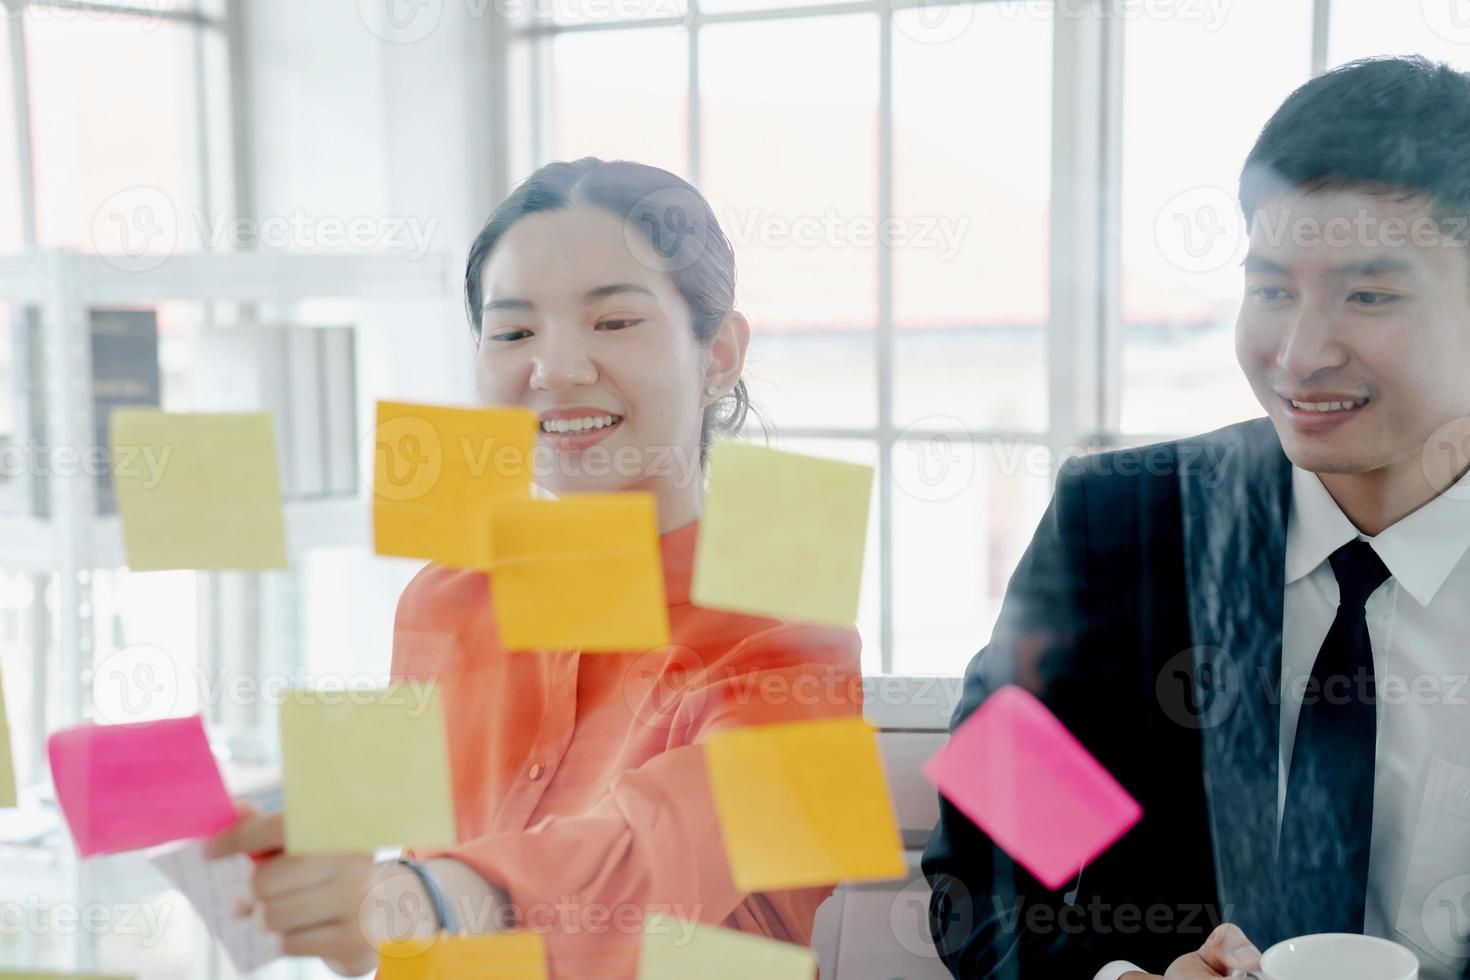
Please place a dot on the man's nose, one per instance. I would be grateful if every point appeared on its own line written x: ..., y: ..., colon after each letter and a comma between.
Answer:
x: 1310, y: 345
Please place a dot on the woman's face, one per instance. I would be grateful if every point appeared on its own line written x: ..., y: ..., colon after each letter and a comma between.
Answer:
x: 580, y: 326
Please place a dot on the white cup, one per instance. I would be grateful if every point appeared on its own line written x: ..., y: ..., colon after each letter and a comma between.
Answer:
x: 1338, y: 956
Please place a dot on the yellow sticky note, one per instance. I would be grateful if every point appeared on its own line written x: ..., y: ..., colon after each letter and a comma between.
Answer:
x: 438, y: 473
x: 782, y: 535
x: 501, y: 956
x: 365, y: 769
x: 583, y: 571
x: 804, y: 803
x: 678, y: 950
x: 198, y: 490
x: 7, y: 764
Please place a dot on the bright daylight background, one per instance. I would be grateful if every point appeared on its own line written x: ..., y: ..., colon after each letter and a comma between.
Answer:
x: 1019, y: 148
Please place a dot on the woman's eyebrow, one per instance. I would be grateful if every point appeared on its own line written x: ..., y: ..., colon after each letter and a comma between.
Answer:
x: 507, y: 304
x: 603, y: 292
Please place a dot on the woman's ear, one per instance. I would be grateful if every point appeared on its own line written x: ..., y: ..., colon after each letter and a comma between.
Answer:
x: 726, y: 356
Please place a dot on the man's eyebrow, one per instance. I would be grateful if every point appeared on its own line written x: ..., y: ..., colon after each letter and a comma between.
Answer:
x: 1263, y: 266
x: 1379, y: 265
x: 507, y: 304
x: 603, y: 292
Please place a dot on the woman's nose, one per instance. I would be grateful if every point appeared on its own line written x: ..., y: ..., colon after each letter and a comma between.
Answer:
x: 562, y: 365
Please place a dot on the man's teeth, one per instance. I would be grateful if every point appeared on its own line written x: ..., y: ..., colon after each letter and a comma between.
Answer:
x: 580, y: 425
x: 1328, y: 406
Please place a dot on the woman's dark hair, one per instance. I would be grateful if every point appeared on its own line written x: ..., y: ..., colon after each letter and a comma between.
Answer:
x: 675, y: 219
x: 1398, y: 124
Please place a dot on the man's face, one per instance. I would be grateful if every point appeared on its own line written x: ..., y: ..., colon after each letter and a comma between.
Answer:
x: 1355, y: 330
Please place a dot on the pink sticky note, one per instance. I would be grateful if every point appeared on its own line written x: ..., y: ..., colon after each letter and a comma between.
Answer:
x: 1021, y: 777
x: 123, y: 787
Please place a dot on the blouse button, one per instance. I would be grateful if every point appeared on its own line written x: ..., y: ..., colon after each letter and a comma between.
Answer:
x: 536, y: 771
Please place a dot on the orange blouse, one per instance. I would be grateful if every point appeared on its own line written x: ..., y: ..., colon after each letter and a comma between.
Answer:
x: 579, y: 781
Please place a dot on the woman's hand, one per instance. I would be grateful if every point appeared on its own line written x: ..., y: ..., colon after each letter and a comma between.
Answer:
x: 338, y: 907
x: 1225, y: 951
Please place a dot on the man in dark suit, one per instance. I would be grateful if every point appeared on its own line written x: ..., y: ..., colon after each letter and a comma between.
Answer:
x: 1232, y: 624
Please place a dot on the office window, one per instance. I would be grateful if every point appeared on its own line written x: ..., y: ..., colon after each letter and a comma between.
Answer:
x: 790, y: 167
x: 1438, y: 29
x: 11, y: 216
x: 935, y: 353
x: 114, y: 159
x: 941, y: 381
x: 1190, y: 116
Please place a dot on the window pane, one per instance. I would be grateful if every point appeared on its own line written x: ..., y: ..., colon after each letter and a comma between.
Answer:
x: 963, y: 514
x: 113, y: 143
x: 972, y: 198
x: 1183, y: 238
x: 865, y: 452
x: 26, y: 646
x: 146, y: 658
x: 522, y: 13
x: 790, y: 167
x: 1438, y: 29
x: 741, y: 6
x: 11, y: 237
x: 622, y: 95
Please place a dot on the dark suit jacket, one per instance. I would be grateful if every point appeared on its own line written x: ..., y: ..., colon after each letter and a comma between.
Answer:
x: 1146, y: 615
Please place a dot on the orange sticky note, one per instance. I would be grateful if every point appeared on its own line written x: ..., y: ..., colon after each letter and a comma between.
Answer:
x: 804, y: 803
x: 438, y: 473
x: 584, y: 571
x: 500, y: 956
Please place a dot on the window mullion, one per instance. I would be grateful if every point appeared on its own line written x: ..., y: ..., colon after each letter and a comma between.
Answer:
x: 885, y: 338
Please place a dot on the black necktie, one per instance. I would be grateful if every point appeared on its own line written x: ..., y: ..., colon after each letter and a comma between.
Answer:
x: 1327, y: 823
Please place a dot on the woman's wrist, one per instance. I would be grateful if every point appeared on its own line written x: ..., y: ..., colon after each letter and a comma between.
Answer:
x: 397, y: 907
x: 479, y: 906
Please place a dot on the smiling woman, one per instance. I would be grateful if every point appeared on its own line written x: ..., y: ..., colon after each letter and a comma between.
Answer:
x: 602, y: 299
x: 655, y: 240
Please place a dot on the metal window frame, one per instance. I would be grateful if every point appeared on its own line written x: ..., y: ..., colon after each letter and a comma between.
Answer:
x: 1084, y: 333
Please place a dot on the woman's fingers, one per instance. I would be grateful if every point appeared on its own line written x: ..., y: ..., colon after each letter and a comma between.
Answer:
x: 332, y: 901
x: 338, y: 941
x: 286, y: 873
x: 253, y: 833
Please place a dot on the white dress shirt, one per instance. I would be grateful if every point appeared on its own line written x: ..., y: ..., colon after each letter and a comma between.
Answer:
x: 1419, y: 624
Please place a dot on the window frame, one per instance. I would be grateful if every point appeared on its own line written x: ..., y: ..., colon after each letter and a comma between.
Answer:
x: 1084, y: 334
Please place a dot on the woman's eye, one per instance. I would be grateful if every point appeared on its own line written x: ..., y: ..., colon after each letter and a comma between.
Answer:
x: 1269, y: 294
x: 617, y: 324
x: 508, y: 335
x: 1369, y: 297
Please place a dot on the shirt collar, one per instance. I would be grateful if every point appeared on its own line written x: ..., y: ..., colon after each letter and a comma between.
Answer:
x: 1316, y: 526
x: 1420, y: 551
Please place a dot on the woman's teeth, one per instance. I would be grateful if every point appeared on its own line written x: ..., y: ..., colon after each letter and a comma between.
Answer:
x: 580, y: 425
x: 1328, y: 406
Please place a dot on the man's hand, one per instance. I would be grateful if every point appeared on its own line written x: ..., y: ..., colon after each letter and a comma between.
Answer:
x: 1225, y: 951
x: 338, y: 907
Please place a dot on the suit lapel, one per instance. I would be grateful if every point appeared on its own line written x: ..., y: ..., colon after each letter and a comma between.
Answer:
x: 1235, y: 499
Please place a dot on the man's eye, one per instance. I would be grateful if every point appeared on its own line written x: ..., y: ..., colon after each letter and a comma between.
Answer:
x: 1269, y: 294
x: 1369, y: 297
x: 508, y: 335
x: 617, y: 324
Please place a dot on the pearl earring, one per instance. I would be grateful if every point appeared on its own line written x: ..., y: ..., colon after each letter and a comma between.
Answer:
x: 712, y: 390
